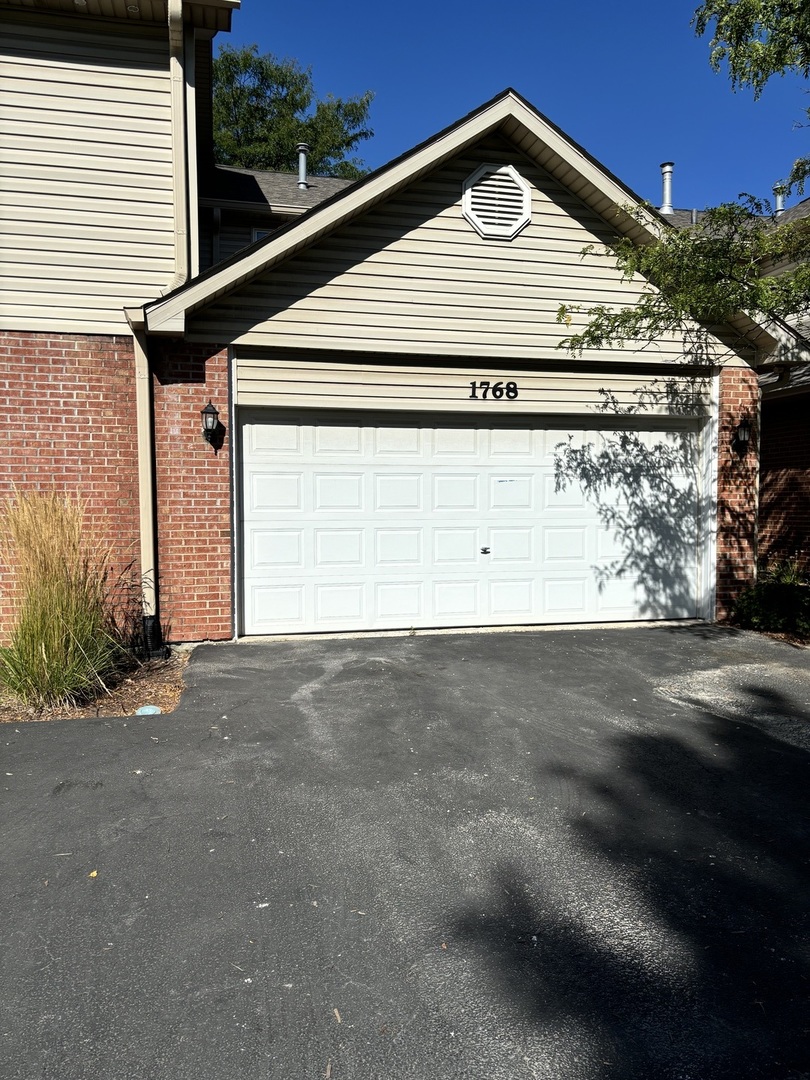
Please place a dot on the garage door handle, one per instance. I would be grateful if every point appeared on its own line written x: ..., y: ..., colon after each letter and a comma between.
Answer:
x: 485, y: 551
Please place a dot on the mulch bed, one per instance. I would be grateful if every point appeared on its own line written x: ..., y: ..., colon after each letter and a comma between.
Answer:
x: 157, y: 682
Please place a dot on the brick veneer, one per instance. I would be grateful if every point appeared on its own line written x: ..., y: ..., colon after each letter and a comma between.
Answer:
x: 69, y: 404
x: 784, y: 514
x: 71, y: 424
x: 736, y: 489
x: 193, y: 492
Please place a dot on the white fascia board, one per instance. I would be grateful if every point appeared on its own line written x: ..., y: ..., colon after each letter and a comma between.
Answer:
x: 790, y: 348
x: 777, y: 343
x: 162, y: 313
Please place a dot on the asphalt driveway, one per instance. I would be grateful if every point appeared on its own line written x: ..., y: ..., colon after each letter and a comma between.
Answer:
x: 572, y: 855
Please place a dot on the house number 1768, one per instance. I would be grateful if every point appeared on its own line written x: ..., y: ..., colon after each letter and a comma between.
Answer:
x: 486, y: 389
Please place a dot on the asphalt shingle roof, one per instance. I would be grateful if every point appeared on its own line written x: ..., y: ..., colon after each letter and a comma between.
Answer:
x: 273, y: 188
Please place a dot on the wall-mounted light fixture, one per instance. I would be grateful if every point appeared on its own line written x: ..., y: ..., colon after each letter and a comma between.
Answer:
x: 742, y: 435
x: 210, y: 419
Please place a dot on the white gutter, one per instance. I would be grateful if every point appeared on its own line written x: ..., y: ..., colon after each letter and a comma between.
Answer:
x: 179, y: 140
x: 191, y: 150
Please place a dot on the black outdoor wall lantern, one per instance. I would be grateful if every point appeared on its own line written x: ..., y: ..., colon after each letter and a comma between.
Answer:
x: 742, y: 435
x: 210, y: 420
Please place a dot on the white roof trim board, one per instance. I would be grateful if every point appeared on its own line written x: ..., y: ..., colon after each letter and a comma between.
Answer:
x: 514, y: 118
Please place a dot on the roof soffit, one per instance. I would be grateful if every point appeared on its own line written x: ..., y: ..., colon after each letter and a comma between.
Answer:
x: 210, y: 15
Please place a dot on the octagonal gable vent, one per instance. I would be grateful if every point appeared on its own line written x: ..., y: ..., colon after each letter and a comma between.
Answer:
x: 496, y: 201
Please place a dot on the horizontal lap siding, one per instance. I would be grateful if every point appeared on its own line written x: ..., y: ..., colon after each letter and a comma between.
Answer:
x: 86, y: 223
x: 412, y: 276
x: 289, y: 383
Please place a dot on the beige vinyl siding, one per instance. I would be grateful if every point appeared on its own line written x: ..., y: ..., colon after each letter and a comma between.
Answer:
x: 412, y: 276
x: 316, y: 383
x: 86, y: 223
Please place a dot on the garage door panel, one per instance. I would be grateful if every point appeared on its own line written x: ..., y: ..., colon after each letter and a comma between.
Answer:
x: 276, y: 549
x: 511, y: 544
x: 398, y: 547
x: 565, y: 544
x: 356, y: 526
x: 398, y: 491
x: 398, y: 441
x: 339, y: 547
x: 456, y: 491
x: 513, y: 598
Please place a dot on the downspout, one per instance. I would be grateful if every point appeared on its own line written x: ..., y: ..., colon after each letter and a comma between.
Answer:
x: 147, y: 510
x: 151, y: 630
x: 179, y: 141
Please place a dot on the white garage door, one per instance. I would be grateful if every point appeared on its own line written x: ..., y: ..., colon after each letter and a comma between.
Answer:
x: 398, y: 523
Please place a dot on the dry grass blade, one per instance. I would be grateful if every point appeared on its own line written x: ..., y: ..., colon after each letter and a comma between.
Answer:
x: 65, y: 641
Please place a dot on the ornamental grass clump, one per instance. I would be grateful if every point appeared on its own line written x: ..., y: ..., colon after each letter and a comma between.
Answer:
x: 64, y: 643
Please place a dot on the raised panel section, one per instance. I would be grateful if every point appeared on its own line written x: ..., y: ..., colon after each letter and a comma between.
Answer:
x: 275, y: 438
x: 455, y: 546
x: 455, y: 492
x: 276, y: 605
x: 515, y: 598
x: 398, y: 547
x: 276, y: 491
x: 340, y: 440
x: 455, y: 441
x: 397, y: 492
x: 457, y: 599
x: 563, y: 545
x: 339, y: 603
x: 276, y: 548
x: 399, y: 600
x: 565, y: 596
x: 397, y: 441
x: 511, y: 492
x: 338, y: 492
x: 512, y: 544
x: 339, y: 547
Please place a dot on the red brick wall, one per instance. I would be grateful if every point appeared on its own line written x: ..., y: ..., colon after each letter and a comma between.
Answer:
x: 736, y: 489
x: 784, y: 513
x: 69, y: 405
x: 193, y: 492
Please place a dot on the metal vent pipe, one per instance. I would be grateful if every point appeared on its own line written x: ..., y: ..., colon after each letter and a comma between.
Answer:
x: 303, y: 150
x: 780, y: 203
x: 666, y: 182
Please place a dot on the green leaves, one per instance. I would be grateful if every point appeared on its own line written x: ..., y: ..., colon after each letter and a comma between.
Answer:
x: 264, y: 106
x: 757, y: 38
x: 700, y: 277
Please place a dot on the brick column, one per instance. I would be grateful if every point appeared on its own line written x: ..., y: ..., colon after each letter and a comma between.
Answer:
x: 193, y: 493
x: 737, y: 488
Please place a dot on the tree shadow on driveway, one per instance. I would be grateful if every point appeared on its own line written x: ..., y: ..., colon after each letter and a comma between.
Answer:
x: 689, y: 958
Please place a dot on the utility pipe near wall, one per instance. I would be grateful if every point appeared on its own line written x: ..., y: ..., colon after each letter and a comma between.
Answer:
x: 146, y: 486
x: 147, y: 515
x: 177, y: 76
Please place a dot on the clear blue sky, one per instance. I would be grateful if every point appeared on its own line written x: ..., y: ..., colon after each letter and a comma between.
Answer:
x: 627, y: 79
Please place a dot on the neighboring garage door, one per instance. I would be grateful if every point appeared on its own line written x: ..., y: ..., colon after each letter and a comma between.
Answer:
x: 383, y: 522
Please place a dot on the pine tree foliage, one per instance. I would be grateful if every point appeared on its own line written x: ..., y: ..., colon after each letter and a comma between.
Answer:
x: 264, y: 106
